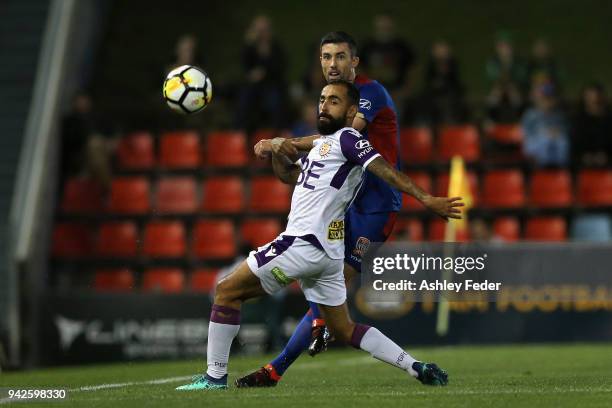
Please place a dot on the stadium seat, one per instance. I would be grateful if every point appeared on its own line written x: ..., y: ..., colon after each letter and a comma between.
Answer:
x: 595, y: 188
x: 503, y: 189
x: 551, y: 188
x: 416, y: 145
x: 214, y: 239
x: 442, y: 185
x: 180, y: 150
x: 506, y: 133
x: 507, y: 228
x: 129, y: 195
x: 437, y: 229
x: 459, y: 140
x: 176, y: 195
x: 226, y: 149
x: 421, y: 179
x: 164, y: 239
x: 268, y: 194
x: 117, y: 239
x: 257, y: 232
x: 546, y: 229
x: 223, y: 194
x: 204, y: 280
x: 71, y: 240
x: 114, y: 280
x: 592, y: 228
x: 136, y: 152
x: 164, y: 280
x: 82, y: 196
x: 407, y: 229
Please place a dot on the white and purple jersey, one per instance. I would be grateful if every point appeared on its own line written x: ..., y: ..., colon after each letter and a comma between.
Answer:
x: 331, y: 176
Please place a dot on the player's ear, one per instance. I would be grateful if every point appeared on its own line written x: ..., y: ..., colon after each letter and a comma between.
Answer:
x: 355, y: 61
x: 352, y: 112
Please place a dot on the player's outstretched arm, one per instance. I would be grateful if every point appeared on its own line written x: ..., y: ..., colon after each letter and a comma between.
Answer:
x: 263, y: 148
x: 443, y: 206
x: 284, y: 168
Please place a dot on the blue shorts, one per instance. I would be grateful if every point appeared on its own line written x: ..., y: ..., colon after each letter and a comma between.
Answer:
x: 361, y: 229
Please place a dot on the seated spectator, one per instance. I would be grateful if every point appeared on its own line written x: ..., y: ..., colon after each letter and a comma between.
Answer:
x: 261, y: 99
x: 542, y: 65
x: 443, y: 94
x: 592, y: 129
x: 88, y: 142
x: 504, y: 103
x: 186, y: 53
x: 388, y: 58
x: 545, y: 129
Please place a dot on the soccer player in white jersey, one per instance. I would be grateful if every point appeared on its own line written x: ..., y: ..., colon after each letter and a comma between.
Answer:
x: 311, y: 250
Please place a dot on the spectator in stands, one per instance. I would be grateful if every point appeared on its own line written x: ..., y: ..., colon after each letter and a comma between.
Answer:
x: 542, y: 65
x: 307, y: 123
x: 388, y: 58
x: 443, y: 94
x: 545, y: 128
x: 88, y: 142
x: 261, y: 99
x: 506, y: 75
x: 592, y: 129
x: 481, y: 231
x: 186, y: 52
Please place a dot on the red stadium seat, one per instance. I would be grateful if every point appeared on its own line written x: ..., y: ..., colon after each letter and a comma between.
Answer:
x: 164, y: 239
x: 507, y: 228
x: 117, y: 239
x: 180, y: 150
x: 268, y: 194
x: 506, y: 133
x: 459, y: 141
x: 551, y: 188
x: 136, y: 152
x: 129, y: 195
x: 442, y: 185
x: 223, y: 194
x: 595, y: 188
x: 503, y: 189
x: 71, y: 240
x: 176, y: 195
x: 226, y: 149
x: 416, y: 145
x: 204, y: 280
x: 437, y: 229
x: 82, y: 196
x: 214, y: 239
x: 257, y: 232
x: 421, y: 179
x: 164, y: 280
x: 407, y: 229
x: 546, y: 229
x: 114, y: 280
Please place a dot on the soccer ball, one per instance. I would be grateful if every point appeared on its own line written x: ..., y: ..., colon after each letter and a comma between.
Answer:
x: 187, y: 89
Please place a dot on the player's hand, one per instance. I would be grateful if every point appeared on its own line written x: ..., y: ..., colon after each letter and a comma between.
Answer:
x: 283, y: 146
x: 445, y: 207
x: 262, y: 149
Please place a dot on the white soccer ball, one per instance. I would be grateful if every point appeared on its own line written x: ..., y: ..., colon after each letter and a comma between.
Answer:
x: 187, y: 90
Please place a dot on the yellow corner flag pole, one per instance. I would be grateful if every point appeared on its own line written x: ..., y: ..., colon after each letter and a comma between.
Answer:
x: 458, y: 186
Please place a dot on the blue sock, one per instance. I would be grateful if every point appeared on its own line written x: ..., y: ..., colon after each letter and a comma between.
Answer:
x: 314, y: 307
x: 299, y: 341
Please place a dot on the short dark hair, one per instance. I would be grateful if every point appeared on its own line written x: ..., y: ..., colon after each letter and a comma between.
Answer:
x: 351, y: 90
x: 338, y: 37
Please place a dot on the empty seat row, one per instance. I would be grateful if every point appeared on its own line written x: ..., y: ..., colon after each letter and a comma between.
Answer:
x: 186, y: 150
x: 590, y: 227
x: 417, y: 144
x: 210, y: 239
x: 163, y: 280
x: 176, y: 195
x: 506, y: 189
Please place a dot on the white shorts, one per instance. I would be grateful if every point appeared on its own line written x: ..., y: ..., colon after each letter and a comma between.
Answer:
x: 288, y: 259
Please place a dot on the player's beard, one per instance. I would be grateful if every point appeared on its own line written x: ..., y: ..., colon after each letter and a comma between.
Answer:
x: 331, y: 126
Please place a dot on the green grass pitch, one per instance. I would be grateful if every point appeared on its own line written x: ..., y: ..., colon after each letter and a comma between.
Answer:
x: 485, y: 376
